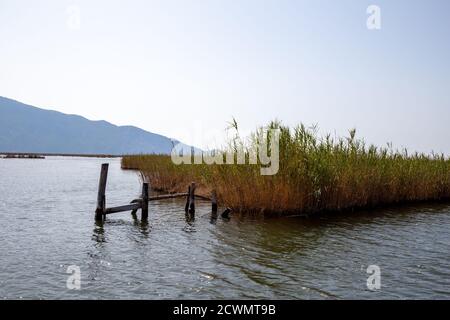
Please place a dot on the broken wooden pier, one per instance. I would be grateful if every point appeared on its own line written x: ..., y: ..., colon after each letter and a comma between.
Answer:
x: 142, y: 203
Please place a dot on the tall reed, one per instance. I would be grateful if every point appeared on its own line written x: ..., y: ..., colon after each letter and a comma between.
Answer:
x: 315, y: 174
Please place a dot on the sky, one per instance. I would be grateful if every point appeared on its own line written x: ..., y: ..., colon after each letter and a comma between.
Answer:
x: 185, y: 68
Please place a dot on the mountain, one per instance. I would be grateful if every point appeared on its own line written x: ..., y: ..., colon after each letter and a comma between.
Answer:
x: 27, y: 129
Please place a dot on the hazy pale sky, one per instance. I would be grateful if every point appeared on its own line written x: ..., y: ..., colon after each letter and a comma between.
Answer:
x: 184, y: 68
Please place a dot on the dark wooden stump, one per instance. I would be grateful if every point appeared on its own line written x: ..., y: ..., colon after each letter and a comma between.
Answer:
x: 188, y: 197
x: 101, y: 198
x: 213, y: 201
x: 145, y: 197
x: 226, y: 213
x: 192, y: 198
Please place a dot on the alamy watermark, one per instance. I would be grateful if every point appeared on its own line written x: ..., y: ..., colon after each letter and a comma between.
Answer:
x: 374, y: 20
x: 374, y: 280
x: 265, y: 152
x: 73, y: 21
x: 74, y: 280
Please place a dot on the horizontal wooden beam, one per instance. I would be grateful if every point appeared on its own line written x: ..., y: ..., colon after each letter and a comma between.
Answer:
x: 202, y: 197
x: 176, y: 195
x: 137, y: 203
x: 128, y: 207
x: 168, y: 196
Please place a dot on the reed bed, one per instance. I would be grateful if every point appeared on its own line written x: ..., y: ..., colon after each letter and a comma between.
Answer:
x: 315, y: 174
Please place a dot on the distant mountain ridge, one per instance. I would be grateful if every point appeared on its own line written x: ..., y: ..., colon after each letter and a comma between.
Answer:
x: 28, y: 129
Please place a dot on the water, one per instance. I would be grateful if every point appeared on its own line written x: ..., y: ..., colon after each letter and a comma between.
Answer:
x: 47, y: 224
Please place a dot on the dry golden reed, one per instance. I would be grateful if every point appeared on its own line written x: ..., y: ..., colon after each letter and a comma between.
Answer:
x: 315, y: 174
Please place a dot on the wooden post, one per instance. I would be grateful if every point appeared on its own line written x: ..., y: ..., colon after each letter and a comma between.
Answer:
x: 226, y: 213
x: 186, y: 207
x: 101, y: 199
x: 214, y: 201
x: 133, y: 212
x: 192, y: 198
x: 144, y: 201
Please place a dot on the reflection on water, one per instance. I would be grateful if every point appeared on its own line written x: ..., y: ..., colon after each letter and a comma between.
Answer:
x: 203, y: 256
x: 99, y: 232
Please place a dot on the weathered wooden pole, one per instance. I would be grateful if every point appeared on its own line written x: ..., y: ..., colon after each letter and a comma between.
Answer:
x: 101, y: 199
x: 192, y: 198
x: 214, y: 201
x: 186, y: 207
x: 144, y: 201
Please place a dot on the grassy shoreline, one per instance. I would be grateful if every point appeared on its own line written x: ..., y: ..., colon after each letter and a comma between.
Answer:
x: 315, y: 174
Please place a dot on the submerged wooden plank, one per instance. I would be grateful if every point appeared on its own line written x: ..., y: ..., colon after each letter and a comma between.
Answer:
x: 128, y: 207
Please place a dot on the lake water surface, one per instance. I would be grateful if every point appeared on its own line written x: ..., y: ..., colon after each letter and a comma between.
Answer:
x: 47, y: 224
